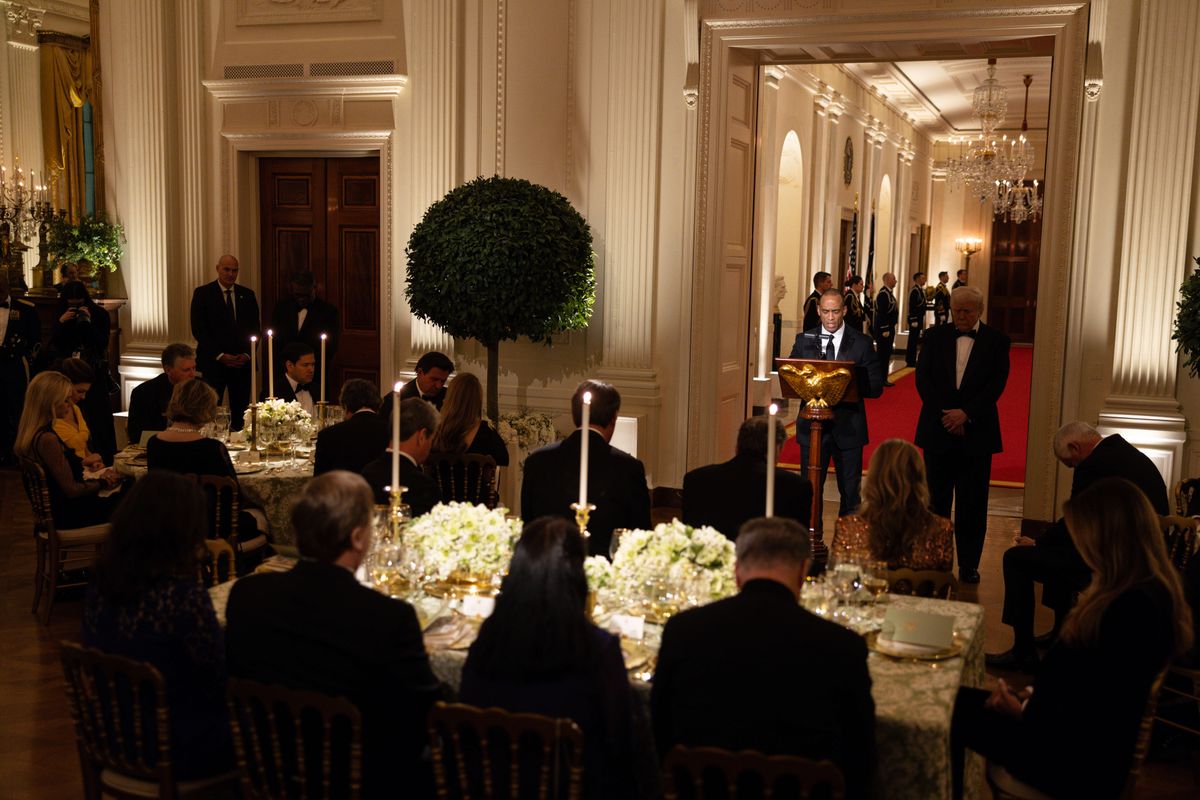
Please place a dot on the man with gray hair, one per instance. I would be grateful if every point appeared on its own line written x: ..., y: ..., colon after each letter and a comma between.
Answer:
x: 768, y: 653
x: 418, y: 421
x: 318, y: 629
x: 1052, y: 559
x: 148, y: 401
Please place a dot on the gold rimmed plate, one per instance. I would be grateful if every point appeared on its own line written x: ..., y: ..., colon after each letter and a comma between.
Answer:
x: 909, y: 652
x: 248, y: 469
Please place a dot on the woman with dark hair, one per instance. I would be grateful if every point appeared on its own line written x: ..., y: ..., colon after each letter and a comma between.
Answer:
x: 538, y: 652
x: 462, y: 428
x: 145, y: 603
x: 1075, y: 735
x: 73, y: 427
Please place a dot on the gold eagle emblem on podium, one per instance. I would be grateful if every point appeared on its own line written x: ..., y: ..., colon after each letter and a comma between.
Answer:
x: 817, y: 388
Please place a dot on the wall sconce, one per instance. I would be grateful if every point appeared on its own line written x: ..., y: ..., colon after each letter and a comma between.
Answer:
x: 968, y: 246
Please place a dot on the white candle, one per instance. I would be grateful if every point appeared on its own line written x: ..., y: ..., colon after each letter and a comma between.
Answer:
x: 253, y: 369
x: 583, y: 448
x: 270, y: 363
x: 322, y: 368
x: 771, y: 412
x: 396, y: 434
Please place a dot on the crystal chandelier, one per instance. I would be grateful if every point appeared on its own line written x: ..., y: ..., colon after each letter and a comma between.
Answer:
x: 24, y: 204
x: 994, y: 169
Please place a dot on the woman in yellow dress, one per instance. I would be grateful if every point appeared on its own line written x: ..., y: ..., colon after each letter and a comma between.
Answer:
x: 71, y: 427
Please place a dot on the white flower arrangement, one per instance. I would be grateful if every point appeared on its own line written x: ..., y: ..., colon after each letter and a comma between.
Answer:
x: 700, y: 559
x: 599, y: 573
x: 276, y: 413
x: 528, y: 430
x: 463, y: 538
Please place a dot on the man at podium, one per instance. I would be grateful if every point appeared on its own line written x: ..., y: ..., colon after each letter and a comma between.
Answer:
x: 843, y: 439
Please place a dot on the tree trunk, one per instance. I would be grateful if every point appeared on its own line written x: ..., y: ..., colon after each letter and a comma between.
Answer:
x: 493, y: 383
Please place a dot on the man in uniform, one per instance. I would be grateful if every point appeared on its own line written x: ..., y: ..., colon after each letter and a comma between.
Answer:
x: 916, y: 317
x: 20, y: 339
x: 883, y: 325
x: 856, y: 315
x: 941, y: 299
x: 821, y: 282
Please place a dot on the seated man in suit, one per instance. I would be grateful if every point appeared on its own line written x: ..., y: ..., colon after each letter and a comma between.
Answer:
x: 296, y: 380
x: 842, y: 441
x: 303, y: 317
x: 317, y: 628
x: 726, y: 495
x: 616, y: 480
x: 793, y: 683
x: 148, y: 401
x: 1052, y: 559
x: 433, y: 370
x: 360, y: 438
x: 418, y: 421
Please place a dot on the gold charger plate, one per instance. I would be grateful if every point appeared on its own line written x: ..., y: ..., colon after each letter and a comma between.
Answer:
x: 248, y: 469
x: 901, y: 652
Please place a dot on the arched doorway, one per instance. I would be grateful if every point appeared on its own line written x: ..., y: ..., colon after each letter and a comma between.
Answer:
x: 883, y: 229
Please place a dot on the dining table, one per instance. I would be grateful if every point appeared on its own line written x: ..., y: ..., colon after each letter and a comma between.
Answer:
x: 914, y: 698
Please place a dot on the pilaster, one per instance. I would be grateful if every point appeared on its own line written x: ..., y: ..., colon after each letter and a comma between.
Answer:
x: 195, y: 263
x: 817, y: 183
x: 23, y: 96
x: 764, y: 243
x: 831, y: 182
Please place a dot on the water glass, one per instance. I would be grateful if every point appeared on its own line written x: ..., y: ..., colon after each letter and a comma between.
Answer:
x: 221, y: 424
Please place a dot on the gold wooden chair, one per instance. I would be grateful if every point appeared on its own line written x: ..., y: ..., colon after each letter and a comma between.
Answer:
x: 112, y: 701
x: 291, y: 743
x: 223, y: 502
x: 57, y: 550
x: 701, y: 772
x: 922, y: 583
x: 1180, y: 535
x: 1187, y: 497
x: 477, y: 750
x: 219, y: 563
x: 464, y: 477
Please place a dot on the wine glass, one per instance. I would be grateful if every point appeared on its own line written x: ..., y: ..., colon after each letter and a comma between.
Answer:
x: 268, y: 434
x: 221, y: 424
x: 295, y: 434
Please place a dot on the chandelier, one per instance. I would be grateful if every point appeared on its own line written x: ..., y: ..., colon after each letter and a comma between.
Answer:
x: 994, y: 169
x: 24, y: 204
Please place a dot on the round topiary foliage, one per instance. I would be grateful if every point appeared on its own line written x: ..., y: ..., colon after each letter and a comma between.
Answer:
x: 498, y: 258
x: 1187, y: 321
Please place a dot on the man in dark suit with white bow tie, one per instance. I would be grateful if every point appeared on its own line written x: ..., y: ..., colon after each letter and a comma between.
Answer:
x: 224, y: 316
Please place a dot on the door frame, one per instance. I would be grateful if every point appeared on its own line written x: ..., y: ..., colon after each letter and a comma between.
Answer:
x: 1067, y: 23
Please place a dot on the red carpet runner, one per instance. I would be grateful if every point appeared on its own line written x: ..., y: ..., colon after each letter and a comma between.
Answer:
x: 894, y: 416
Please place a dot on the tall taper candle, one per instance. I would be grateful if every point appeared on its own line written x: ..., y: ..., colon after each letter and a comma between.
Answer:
x: 396, y: 434
x: 253, y: 369
x: 270, y: 363
x: 583, y: 448
x: 772, y: 411
x: 322, y: 368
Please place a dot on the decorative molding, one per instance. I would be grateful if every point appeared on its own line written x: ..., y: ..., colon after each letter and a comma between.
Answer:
x: 348, y: 86
x: 691, y: 52
x: 64, y: 9
x: 501, y: 79
x: 304, y: 113
x: 294, y: 12
x: 23, y: 23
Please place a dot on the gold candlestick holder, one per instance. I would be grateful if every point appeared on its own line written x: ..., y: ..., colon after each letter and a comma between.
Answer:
x: 399, y: 512
x: 582, y: 513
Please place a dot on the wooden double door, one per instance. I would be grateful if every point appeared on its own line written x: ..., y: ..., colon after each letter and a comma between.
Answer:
x: 322, y: 215
x: 1013, y: 289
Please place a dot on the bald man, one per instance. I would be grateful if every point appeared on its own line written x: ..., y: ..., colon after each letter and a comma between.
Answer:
x: 224, y: 316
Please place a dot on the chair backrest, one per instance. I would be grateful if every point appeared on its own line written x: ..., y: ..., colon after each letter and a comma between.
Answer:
x: 464, y: 477
x: 295, y: 744
x: 221, y: 505
x: 38, y: 491
x: 1142, y: 745
x: 1187, y: 497
x: 702, y: 772
x: 480, y: 752
x: 219, y: 563
x: 1180, y: 534
x: 922, y: 583
x: 121, y: 719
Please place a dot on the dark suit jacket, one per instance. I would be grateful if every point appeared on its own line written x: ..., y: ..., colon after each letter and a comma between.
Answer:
x: 410, y: 390
x: 317, y: 628
x: 849, y: 418
x: 982, y: 384
x: 420, y: 492
x: 148, y: 407
x: 283, y: 389
x: 322, y: 317
x: 352, y: 444
x: 616, y: 486
x: 802, y: 683
x: 23, y: 336
x: 214, y: 331
x: 726, y: 495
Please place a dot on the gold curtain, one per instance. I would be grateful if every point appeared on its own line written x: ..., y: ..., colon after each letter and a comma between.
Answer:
x: 67, y: 83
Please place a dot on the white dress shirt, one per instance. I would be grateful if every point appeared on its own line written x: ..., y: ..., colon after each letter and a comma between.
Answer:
x: 837, y: 339
x: 963, y: 345
x: 301, y: 315
x: 304, y: 398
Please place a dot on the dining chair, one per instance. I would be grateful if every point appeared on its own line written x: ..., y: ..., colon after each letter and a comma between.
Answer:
x: 219, y: 563
x: 464, y: 477
x: 1180, y: 535
x: 1187, y: 497
x: 291, y: 743
x: 711, y: 772
x: 122, y: 728
x: 922, y: 583
x: 222, y: 500
x: 476, y: 750
x: 57, y: 550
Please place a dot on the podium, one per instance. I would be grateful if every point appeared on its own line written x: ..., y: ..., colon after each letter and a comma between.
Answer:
x: 821, y: 385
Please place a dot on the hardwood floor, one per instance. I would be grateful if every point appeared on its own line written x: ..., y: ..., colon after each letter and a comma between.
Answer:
x: 37, y: 741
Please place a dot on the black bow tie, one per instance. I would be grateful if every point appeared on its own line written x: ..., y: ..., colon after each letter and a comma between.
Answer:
x: 969, y: 334
x: 303, y: 387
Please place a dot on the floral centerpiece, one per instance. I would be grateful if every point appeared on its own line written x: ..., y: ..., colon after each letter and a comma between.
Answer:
x: 461, y: 546
x: 527, y: 430
x: 277, y: 418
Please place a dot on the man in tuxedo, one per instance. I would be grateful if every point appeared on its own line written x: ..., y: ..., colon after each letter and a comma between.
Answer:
x: 20, y: 339
x: 915, y: 317
x: 941, y: 299
x: 726, y: 495
x: 148, y: 401
x: 883, y: 326
x: 303, y: 317
x: 843, y: 439
x: 433, y: 370
x: 961, y: 280
x: 822, y: 282
x: 360, y: 438
x: 616, y: 480
x: 856, y: 315
x: 418, y: 421
x: 296, y: 383
x: 1052, y: 558
x: 960, y: 377
x: 794, y: 684
x: 224, y: 316
x: 318, y: 629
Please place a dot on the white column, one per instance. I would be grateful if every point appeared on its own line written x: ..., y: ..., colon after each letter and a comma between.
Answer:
x: 833, y: 180
x: 876, y: 136
x: 817, y: 199
x: 433, y: 59
x: 627, y: 282
x: 1154, y: 241
x: 195, y: 264
x: 764, y: 242
x: 23, y: 135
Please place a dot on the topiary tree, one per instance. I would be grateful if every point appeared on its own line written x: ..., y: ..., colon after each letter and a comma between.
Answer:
x: 498, y: 258
x: 1187, y: 321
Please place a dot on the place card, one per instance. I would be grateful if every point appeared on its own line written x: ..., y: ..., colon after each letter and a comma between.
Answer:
x: 909, y: 626
x: 476, y: 605
x: 629, y: 626
x: 247, y: 456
